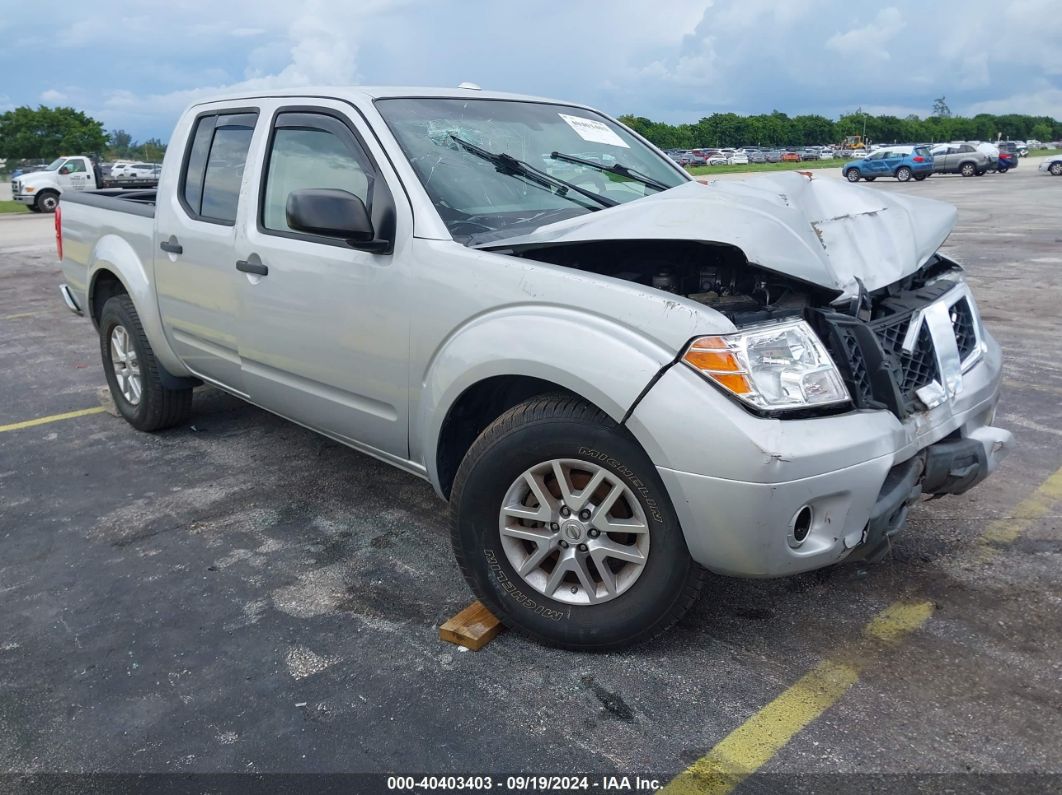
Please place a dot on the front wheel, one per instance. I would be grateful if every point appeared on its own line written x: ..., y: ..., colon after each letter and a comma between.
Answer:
x: 903, y: 174
x: 47, y: 201
x: 920, y: 177
x: 563, y: 529
x: 852, y: 175
x: 133, y: 372
x: 1003, y: 170
x: 1056, y: 169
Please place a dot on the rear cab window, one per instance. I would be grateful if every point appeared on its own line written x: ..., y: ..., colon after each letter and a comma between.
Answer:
x: 214, y: 164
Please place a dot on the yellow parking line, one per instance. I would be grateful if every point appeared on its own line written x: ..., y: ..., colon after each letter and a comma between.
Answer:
x: 18, y: 426
x: 1031, y: 509
x: 23, y: 314
x: 752, y: 744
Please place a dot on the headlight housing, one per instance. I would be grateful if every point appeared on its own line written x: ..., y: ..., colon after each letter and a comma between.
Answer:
x: 771, y: 367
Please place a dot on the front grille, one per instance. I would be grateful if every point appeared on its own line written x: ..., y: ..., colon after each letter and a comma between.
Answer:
x: 879, y: 373
x: 916, y: 369
x: 962, y: 319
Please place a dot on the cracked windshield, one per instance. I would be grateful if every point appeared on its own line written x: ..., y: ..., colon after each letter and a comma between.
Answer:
x: 497, y: 168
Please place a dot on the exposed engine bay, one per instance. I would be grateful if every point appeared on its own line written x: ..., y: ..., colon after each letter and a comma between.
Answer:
x: 864, y: 331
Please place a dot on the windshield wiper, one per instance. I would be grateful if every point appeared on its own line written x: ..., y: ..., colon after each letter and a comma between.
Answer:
x: 507, y: 164
x: 615, y: 168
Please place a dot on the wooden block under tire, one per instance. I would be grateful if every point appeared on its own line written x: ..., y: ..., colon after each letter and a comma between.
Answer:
x: 474, y: 627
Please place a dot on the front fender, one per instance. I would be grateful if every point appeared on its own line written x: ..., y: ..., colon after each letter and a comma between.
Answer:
x: 115, y: 254
x: 590, y: 355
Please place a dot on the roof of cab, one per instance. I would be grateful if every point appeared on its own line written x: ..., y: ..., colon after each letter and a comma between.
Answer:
x: 378, y: 92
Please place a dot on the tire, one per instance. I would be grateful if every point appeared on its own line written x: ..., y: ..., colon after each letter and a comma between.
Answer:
x: 920, y: 177
x: 1003, y: 170
x: 566, y: 432
x: 904, y: 174
x: 47, y: 201
x: 33, y: 208
x: 152, y: 407
x: 967, y: 169
x: 1056, y: 169
x: 980, y: 172
x: 852, y: 175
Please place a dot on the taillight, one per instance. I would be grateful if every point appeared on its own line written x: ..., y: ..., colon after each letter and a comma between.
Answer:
x: 59, y: 232
x: 919, y: 159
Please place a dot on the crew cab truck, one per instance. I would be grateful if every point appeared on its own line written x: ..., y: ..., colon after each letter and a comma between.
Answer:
x: 41, y: 190
x: 622, y: 381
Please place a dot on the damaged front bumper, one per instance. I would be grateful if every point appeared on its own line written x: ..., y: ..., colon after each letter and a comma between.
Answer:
x: 854, y: 473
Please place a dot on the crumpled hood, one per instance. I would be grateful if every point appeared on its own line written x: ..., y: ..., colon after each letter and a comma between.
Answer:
x: 820, y: 230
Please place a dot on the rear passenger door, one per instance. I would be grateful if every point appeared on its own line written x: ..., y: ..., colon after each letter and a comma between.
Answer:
x: 324, y: 337
x: 199, y: 292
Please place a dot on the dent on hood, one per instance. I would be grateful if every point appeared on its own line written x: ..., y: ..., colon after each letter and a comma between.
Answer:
x: 823, y: 231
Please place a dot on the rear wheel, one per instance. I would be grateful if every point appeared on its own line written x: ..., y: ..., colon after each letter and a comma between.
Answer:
x: 133, y: 372
x: 563, y: 529
x: 920, y: 177
x: 852, y: 175
x: 967, y: 169
x: 1003, y: 170
x: 1056, y: 169
x: 903, y: 174
x: 47, y: 201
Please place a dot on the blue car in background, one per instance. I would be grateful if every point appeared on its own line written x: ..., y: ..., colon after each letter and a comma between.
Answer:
x: 903, y: 162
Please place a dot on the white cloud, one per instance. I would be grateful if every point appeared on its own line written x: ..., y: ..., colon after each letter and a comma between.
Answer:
x: 53, y: 97
x: 1042, y: 102
x: 871, y: 40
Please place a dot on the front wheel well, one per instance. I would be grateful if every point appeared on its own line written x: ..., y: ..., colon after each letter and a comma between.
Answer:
x: 104, y: 286
x: 476, y: 408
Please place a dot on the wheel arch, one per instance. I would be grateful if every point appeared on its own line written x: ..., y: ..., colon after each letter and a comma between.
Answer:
x: 115, y: 268
x: 494, y: 363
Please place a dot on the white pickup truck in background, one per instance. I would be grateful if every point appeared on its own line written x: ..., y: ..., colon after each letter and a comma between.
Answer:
x: 41, y: 190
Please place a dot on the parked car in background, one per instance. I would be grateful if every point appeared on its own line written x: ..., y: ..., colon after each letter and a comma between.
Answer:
x: 323, y: 256
x: 1008, y: 156
x: 1052, y: 165
x: 809, y: 153
x: 790, y: 157
x: 717, y: 158
x: 738, y: 159
x: 679, y: 156
x: 134, y: 171
x: 902, y: 162
x: 773, y: 155
x: 963, y: 159
x: 757, y: 156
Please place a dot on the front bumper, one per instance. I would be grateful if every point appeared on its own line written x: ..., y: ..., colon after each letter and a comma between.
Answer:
x: 739, y: 482
x: 25, y: 198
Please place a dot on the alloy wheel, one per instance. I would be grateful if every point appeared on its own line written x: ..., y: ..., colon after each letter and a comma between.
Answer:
x: 573, y: 531
x: 126, y: 365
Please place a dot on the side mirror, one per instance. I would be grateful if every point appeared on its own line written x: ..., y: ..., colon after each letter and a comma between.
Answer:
x: 331, y: 212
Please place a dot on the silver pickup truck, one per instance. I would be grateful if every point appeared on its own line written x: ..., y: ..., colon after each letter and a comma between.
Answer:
x: 620, y: 379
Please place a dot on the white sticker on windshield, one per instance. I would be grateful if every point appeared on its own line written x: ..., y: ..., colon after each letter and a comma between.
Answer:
x: 594, y: 131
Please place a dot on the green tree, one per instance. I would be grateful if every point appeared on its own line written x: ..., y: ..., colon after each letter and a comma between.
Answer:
x: 120, y: 143
x: 1041, y: 132
x: 46, y: 133
x: 940, y: 108
x: 151, y: 150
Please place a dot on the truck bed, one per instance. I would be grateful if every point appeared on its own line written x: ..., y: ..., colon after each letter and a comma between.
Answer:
x: 138, y: 201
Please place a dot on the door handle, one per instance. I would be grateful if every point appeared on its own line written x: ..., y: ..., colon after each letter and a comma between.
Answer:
x: 252, y: 267
x: 171, y: 246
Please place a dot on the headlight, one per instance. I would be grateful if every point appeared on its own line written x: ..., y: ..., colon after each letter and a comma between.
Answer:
x: 28, y: 189
x: 771, y: 367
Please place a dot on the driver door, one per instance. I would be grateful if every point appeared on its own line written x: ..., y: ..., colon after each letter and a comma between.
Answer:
x: 74, y: 175
x: 324, y: 329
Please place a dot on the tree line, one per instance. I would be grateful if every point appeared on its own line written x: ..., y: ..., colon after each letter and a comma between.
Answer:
x: 779, y: 129
x: 47, y: 133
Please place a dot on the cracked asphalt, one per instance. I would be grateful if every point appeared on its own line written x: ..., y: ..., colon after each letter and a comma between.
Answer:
x: 241, y: 595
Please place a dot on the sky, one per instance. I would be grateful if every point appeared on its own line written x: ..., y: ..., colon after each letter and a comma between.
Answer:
x: 137, y: 65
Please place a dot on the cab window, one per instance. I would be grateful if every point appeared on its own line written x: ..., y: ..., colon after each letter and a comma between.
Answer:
x: 214, y: 163
x: 310, y: 150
